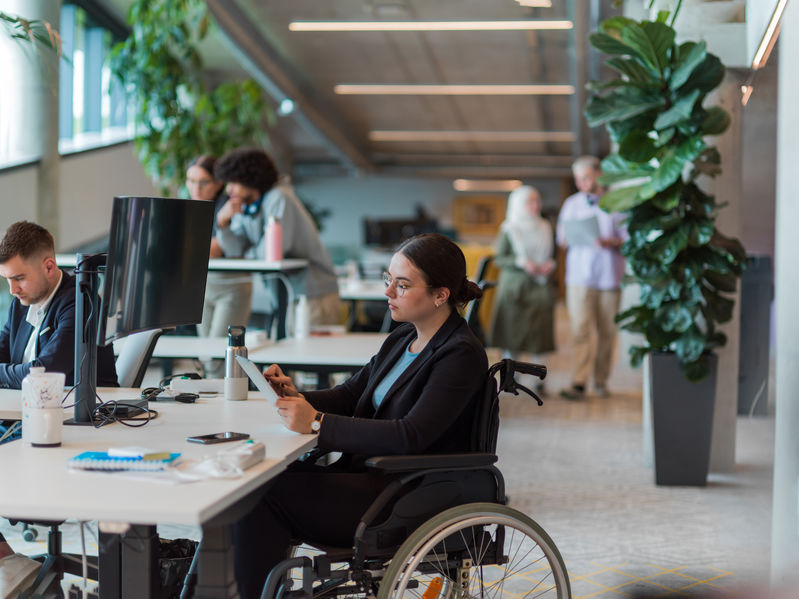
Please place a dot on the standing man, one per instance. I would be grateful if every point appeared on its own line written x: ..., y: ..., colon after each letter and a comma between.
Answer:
x: 40, y: 330
x: 255, y: 194
x: 593, y: 276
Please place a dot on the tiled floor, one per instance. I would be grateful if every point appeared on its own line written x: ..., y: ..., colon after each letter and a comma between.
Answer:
x: 577, y: 468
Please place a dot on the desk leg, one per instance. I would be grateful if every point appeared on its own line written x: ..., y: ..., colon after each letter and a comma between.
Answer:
x: 140, y: 571
x: 216, y: 578
x: 110, y: 564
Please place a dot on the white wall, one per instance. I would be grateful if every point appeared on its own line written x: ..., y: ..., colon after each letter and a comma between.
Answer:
x: 88, y: 183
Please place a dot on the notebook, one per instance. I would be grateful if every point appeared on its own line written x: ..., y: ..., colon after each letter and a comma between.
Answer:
x: 100, y: 460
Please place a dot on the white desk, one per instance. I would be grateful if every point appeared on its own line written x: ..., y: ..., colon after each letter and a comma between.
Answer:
x: 322, y: 355
x: 364, y: 290
x: 37, y: 485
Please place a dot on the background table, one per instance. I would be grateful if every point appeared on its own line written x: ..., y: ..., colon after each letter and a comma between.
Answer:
x: 319, y: 354
x: 37, y: 485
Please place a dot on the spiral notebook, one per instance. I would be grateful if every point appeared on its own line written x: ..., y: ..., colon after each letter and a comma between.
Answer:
x: 100, y: 460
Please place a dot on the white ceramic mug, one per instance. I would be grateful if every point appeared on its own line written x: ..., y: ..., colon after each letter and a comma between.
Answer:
x: 45, y: 426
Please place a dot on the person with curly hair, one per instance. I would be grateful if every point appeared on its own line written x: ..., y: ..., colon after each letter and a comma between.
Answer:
x: 256, y: 193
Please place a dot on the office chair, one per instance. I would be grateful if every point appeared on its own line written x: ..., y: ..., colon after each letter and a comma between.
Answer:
x: 440, y: 529
x: 134, y: 357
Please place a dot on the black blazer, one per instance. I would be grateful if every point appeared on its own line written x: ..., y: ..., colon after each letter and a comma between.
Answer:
x: 56, y: 343
x: 428, y: 409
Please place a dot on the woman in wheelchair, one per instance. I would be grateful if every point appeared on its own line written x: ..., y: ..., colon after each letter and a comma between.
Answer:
x: 416, y: 396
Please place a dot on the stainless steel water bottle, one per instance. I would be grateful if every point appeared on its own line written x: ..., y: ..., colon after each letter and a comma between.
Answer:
x: 235, y: 378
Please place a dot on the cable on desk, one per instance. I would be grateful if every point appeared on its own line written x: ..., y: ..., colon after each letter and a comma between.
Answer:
x: 106, y: 413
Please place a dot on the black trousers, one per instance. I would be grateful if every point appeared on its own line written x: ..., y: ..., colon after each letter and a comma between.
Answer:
x: 306, y: 502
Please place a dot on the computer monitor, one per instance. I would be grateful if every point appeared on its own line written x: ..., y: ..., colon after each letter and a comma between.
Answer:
x: 155, y: 276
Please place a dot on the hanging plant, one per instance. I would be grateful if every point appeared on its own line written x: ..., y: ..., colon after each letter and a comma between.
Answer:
x: 178, y: 113
x: 653, y: 113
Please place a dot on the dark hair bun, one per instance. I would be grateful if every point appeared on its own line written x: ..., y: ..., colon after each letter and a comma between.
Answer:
x: 468, y: 292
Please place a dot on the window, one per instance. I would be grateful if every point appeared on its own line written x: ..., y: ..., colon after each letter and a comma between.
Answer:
x: 93, y: 110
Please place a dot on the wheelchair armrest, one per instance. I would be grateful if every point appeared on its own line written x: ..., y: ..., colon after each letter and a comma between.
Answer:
x: 408, y: 463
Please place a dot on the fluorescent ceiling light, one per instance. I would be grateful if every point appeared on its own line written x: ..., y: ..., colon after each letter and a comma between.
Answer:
x: 486, y: 184
x: 453, y: 90
x: 769, y: 37
x: 523, y: 25
x: 536, y: 3
x: 479, y: 136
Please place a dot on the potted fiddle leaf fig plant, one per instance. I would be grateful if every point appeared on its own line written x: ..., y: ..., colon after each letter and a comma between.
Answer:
x: 654, y: 114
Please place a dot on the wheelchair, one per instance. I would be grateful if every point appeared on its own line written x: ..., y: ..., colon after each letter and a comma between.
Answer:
x: 441, y: 529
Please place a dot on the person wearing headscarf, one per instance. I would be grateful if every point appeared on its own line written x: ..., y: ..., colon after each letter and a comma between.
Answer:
x: 523, y: 313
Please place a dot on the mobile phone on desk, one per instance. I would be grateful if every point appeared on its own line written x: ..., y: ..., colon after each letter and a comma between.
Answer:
x: 218, y: 438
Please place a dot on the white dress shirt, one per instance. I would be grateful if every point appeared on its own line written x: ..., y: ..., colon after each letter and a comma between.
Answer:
x: 592, y: 266
x: 36, y: 314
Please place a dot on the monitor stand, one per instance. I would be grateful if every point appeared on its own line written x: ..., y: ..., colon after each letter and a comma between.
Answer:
x: 87, y: 307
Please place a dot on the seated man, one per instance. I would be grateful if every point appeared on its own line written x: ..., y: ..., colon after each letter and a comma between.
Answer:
x: 254, y: 194
x: 40, y: 330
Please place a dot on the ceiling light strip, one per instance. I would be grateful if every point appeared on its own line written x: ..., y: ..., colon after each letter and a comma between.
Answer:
x: 522, y: 25
x: 535, y: 3
x: 769, y: 37
x: 452, y: 90
x: 481, y: 136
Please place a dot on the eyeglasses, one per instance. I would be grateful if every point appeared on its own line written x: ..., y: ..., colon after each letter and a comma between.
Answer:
x: 198, y: 182
x: 401, y: 286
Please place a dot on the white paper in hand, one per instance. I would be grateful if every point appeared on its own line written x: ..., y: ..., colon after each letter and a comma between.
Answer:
x: 256, y: 377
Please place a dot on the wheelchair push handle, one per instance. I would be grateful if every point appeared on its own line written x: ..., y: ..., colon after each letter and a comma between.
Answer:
x: 538, y: 370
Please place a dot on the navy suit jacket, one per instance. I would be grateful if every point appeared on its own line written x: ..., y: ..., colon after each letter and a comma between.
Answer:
x: 56, y: 343
x: 430, y: 408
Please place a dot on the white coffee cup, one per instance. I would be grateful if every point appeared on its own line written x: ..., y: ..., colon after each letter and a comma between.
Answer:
x: 43, y: 416
x: 45, y: 426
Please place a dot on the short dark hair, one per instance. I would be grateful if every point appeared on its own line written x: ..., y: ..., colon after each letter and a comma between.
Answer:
x: 249, y: 166
x: 25, y: 239
x: 443, y: 265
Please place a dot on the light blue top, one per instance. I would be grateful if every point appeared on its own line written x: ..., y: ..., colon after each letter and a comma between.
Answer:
x: 393, y: 374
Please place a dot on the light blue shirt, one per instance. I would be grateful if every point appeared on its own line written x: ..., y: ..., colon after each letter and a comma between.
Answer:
x: 393, y: 374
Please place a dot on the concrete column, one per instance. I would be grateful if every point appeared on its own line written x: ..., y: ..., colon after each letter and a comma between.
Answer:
x: 785, y: 520
x: 727, y: 188
x: 32, y: 99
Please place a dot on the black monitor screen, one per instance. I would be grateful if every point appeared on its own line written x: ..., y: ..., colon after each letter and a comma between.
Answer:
x: 157, y: 265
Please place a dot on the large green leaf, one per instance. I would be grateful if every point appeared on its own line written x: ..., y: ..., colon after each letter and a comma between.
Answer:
x: 672, y: 164
x: 718, y: 306
x: 668, y: 246
x: 610, y: 45
x: 690, y: 345
x: 700, y: 232
x: 621, y: 199
x: 679, y: 111
x: 716, y: 121
x: 696, y: 370
x: 652, y: 42
x: 707, y: 75
x: 688, y: 58
x: 722, y: 282
x: 613, y: 107
x: 675, y: 317
x: 633, y: 70
x: 637, y: 147
x: 614, y: 25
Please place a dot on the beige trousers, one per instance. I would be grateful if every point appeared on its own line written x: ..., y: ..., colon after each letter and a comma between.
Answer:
x: 592, y: 310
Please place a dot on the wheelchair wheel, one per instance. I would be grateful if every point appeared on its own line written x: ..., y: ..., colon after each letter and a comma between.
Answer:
x: 483, y: 550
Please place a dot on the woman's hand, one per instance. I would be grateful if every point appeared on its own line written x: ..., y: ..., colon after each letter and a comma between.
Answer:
x: 297, y: 413
x: 282, y: 384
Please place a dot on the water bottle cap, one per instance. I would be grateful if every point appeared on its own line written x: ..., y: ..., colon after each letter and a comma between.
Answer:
x: 235, y: 335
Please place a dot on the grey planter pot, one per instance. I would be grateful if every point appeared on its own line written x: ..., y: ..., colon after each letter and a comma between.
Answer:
x: 682, y: 418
